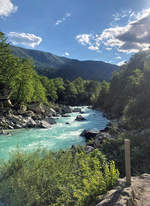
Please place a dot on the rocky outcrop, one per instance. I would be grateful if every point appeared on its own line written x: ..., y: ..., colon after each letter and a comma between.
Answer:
x: 23, y: 118
x: 80, y: 118
x: 138, y: 194
x: 89, y: 134
x: 97, y: 137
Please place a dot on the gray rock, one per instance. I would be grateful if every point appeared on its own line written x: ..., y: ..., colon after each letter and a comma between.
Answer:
x: 66, y: 109
x: 31, y: 124
x: 36, y: 107
x: 89, y: 134
x: 80, y: 118
x: 10, y: 127
x: 52, y: 111
x: 22, y: 109
x: 76, y: 110
x: 50, y: 120
x: 44, y: 124
x: 29, y: 113
x: 37, y: 117
x: 49, y: 111
x: 89, y: 149
x: 18, y: 126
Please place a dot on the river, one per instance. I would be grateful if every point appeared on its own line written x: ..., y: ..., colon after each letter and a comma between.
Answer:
x: 59, y: 136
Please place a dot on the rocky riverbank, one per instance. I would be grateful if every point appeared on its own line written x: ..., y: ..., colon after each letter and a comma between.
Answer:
x: 31, y: 116
x: 34, y: 116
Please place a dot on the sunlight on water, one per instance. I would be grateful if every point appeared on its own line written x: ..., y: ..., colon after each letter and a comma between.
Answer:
x: 59, y: 136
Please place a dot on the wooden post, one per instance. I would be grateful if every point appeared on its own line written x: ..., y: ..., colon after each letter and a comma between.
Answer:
x: 127, y: 161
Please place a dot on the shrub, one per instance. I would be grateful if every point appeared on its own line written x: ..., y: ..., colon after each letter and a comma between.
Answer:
x: 56, y: 179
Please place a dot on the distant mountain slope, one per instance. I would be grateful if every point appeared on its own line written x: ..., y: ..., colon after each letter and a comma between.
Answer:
x: 53, y: 66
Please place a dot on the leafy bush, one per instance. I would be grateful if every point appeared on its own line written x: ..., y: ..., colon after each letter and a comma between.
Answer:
x: 140, y: 151
x: 57, y: 179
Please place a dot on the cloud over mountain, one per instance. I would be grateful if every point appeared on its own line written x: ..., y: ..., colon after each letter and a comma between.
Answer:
x: 25, y: 39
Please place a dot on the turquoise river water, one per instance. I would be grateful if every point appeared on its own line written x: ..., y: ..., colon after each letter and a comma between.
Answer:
x: 59, y: 136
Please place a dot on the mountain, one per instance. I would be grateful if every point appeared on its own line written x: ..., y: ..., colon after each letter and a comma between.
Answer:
x: 53, y: 66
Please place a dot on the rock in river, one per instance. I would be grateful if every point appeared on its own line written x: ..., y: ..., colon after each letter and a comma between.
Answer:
x: 89, y: 133
x: 80, y: 118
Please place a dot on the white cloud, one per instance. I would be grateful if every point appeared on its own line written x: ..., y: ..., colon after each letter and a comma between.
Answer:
x: 67, y: 54
x: 130, y: 38
x: 88, y: 40
x: 84, y: 39
x: 7, y: 7
x: 59, y: 21
x: 121, y: 63
x: 25, y: 39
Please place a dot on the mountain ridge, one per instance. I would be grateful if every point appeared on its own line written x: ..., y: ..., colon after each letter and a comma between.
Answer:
x: 53, y: 66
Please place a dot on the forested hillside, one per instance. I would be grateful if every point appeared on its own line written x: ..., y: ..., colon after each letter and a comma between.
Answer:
x: 19, y: 79
x: 53, y: 66
x: 128, y: 94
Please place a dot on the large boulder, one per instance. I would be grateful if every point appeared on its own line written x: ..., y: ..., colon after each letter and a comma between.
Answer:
x: 49, y: 111
x: 50, y: 120
x: 43, y: 124
x: 80, y: 118
x: 31, y: 124
x: 36, y: 107
x: 89, y: 134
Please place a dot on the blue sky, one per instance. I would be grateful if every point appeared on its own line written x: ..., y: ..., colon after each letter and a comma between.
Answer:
x: 105, y: 30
